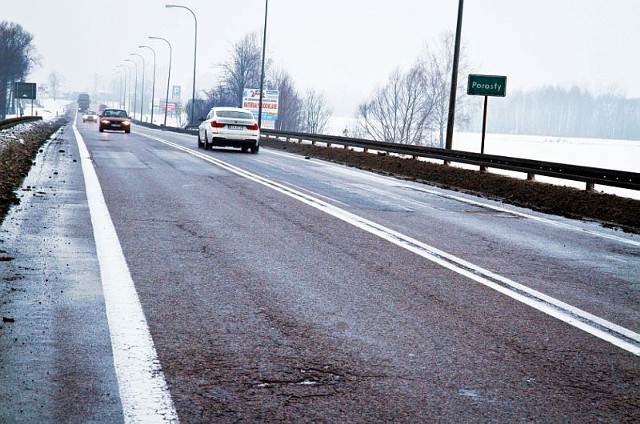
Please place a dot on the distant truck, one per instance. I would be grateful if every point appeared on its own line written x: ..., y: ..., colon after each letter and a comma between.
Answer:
x: 83, y: 102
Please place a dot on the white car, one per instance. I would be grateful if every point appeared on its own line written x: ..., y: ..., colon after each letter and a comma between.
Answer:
x: 90, y: 116
x: 229, y: 127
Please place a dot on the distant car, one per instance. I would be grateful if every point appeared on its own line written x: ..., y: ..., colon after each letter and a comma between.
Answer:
x: 229, y: 127
x: 89, y: 116
x: 114, y: 119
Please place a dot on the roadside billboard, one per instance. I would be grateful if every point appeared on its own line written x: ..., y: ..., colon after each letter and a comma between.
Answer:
x: 251, y: 101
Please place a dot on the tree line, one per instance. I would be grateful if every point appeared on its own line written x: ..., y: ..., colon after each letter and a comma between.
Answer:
x: 17, y: 58
x: 563, y: 112
x: 308, y: 112
x: 411, y: 108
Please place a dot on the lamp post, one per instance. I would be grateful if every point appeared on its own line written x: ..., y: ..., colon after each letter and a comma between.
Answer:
x: 121, y: 77
x: 166, y: 101
x: 142, y: 91
x: 264, y: 46
x: 153, y: 86
x: 195, y: 51
x: 124, y: 92
x: 135, y: 89
x: 454, y: 79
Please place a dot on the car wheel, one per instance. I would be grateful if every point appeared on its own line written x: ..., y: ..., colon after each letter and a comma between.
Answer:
x: 127, y: 131
x: 100, y: 129
x: 207, y: 146
x: 255, y: 149
x: 244, y: 149
x: 200, y: 145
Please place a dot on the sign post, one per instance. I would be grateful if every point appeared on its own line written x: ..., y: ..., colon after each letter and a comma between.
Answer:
x: 25, y: 91
x: 486, y: 85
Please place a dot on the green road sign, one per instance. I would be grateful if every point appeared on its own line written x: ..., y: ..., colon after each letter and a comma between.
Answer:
x: 487, y: 85
x: 25, y: 90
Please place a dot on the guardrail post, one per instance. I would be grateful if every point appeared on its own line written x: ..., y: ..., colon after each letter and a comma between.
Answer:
x: 590, y: 186
x: 531, y: 177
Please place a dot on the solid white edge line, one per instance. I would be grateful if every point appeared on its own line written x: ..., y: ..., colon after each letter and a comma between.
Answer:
x: 143, y: 390
x: 601, y: 328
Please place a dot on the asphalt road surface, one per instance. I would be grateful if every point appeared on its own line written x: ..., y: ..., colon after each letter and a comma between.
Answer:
x: 145, y: 280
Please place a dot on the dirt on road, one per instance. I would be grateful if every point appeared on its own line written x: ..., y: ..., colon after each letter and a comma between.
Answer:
x: 18, y: 149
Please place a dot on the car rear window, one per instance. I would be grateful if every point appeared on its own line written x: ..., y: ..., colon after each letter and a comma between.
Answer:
x: 234, y: 114
x: 115, y: 113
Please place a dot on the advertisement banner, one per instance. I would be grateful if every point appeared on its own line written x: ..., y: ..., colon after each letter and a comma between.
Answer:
x: 251, y: 102
x: 170, y: 106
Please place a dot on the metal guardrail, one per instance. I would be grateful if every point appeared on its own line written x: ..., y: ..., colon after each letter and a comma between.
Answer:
x: 8, y: 123
x: 588, y: 175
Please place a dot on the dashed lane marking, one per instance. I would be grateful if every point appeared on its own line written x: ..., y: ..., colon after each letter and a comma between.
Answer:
x: 594, y: 325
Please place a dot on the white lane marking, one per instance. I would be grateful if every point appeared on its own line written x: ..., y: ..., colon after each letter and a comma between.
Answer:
x: 601, y: 328
x: 143, y: 390
x: 394, y: 182
x: 528, y: 216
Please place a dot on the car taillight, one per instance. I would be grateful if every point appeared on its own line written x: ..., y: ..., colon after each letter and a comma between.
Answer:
x: 215, y: 124
x: 252, y: 127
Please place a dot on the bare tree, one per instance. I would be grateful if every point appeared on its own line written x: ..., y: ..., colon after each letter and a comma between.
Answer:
x: 289, y: 102
x: 315, y: 113
x: 17, y: 57
x: 55, y: 80
x: 400, y: 111
x: 415, y: 103
x: 243, y: 69
x: 438, y: 63
x: 219, y: 96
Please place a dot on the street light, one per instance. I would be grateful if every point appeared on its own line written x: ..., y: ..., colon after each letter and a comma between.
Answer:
x: 166, y: 101
x: 264, y: 46
x: 121, y: 78
x: 153, y: 87
x: 135, y: 89
x: 195, y: 50
x: 142, y: 93
x: 124, y: 92
x: 454, y: 79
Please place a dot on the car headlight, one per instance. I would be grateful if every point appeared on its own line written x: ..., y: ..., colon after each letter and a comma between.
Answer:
x: 126, y: 123
x: 106, y: 121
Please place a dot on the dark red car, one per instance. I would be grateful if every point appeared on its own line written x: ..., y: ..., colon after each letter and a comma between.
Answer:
x: 114, y: 119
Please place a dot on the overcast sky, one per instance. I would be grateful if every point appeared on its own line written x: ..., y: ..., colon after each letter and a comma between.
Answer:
x: 344, y: 49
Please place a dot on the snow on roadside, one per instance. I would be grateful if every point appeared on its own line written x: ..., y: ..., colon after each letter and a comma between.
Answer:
x: 49, y: 110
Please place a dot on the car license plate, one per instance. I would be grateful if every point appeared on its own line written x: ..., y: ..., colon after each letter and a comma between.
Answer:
x: 115, y: 125
x: 236, y: 127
